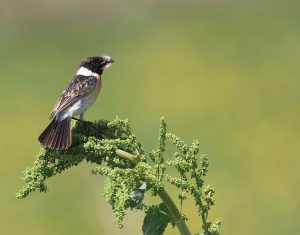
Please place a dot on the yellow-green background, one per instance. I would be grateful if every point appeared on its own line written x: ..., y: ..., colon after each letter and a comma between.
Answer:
x: 224, y: 72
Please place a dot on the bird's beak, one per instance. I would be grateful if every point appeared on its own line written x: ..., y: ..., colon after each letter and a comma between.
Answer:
x: 112, y: 60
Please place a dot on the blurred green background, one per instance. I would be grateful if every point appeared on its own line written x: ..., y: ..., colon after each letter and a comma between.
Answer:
x: 224, y: 72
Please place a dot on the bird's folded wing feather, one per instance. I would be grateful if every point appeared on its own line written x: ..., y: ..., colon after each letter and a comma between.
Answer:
x: 78, y: 87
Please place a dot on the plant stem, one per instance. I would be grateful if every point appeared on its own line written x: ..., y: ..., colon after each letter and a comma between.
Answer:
x: 135, y: 160
x: 203, y: 216
x: 168, y: 202
x: 174, y: 212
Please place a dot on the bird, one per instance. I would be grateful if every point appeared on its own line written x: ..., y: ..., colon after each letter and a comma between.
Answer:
x: 80, y: 93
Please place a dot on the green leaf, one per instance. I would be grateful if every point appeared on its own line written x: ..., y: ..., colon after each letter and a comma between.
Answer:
x: 137, y: 195
x: 156, y: 220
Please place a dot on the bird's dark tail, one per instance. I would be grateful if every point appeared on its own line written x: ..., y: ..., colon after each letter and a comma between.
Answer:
x: 57, y: 135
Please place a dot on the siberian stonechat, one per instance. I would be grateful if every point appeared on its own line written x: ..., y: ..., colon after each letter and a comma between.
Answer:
x: 78, y: 96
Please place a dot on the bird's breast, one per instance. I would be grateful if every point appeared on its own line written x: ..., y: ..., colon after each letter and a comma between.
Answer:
x: 82, y: 104
x: 90, y: 98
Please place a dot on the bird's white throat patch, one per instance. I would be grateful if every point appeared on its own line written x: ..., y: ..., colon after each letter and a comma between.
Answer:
x: 86, y: 72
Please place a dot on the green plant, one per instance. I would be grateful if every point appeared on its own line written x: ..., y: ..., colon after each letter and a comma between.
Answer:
x: 130, y: 173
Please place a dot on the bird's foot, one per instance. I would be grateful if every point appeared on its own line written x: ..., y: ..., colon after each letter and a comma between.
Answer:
x: 80, y: 120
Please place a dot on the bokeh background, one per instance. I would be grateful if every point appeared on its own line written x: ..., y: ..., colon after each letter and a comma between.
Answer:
x: 224, y: 72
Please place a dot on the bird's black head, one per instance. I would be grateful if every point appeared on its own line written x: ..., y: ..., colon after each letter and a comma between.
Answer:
x: 97, y: 64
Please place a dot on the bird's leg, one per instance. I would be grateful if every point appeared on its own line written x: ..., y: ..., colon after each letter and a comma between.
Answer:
x: 81, y: 117
x: 79, y: 120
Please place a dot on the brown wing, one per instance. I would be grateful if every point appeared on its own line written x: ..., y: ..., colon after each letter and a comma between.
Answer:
x: 78, y: 87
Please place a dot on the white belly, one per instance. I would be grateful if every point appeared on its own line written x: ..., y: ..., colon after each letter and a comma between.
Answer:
x: 80, y: 106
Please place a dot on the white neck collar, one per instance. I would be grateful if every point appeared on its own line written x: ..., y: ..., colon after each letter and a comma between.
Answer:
x: 86, y: 72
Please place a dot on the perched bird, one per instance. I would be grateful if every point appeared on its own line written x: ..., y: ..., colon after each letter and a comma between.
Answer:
x: 78, y: 96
